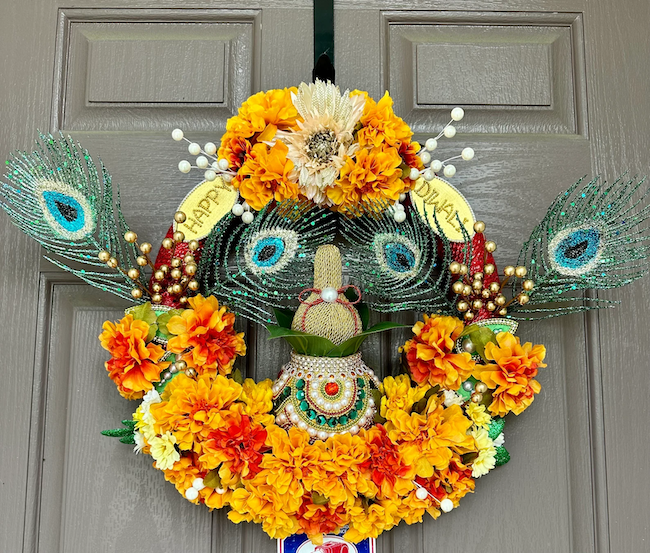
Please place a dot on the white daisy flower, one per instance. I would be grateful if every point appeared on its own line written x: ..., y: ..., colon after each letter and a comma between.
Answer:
x: 452, y: 398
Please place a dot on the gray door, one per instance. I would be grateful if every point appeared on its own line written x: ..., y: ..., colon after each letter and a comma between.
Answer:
x: 549, y: 95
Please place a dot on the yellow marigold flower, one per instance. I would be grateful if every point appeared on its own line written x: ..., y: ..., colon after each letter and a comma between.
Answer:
x: 247, y: 505
x: 207, y: 330
x: 191, y: 409
x: 372, y: 175
x: 479, y: 415
x: 399, y: 394
x: 486, y: 459
x: 258, y: 397
x: 511, y: 376
x: 381, y: 125
x: 452, y: 483
x: 163, y: 451
x: 430, y: 354
x: 265, y: 176
x: 370, y: 522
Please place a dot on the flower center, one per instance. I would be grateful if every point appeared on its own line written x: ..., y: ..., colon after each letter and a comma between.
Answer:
x: 322, y: 145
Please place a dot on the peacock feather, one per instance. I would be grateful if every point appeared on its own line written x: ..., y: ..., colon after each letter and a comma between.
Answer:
x: 592, y: 237
x: 59, y: 197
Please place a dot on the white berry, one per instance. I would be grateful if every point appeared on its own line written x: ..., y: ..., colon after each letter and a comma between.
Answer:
x: 429, y: 174
x: 467, y: 154
x: 202, y: 162
x: 450, y: 131
x: 446, y: 505
x: 227, y: 177
x: 210, y: 175
x: 457, y: 114
x: 421, y: 494
x: 210, y: 148
x: 414, y: 174
x: 194, y: 149
x: 425, y: 157
x: 399, y: 216
x: 184, y: 166
x: 177, y: 134
x: 192, y: 493
x: 450, y: 171
x: 198, y: 484
x: 431, y: 144
x: 247, y: 217
x: 436, y: 165
x: 237, y: 210
x: 223, y: 164
x: 402, y: 197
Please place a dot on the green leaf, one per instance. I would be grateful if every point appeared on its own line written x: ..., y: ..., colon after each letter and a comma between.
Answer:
x: 469, y: 457
x: 353, y: 344
x: 284, y: 317
x: 376, y: 396
x: 237, y: 376
x: 163, y: 320
x: 143, y: 312
x: 480, y: 337
x: 301, y: 342
x: 212, y: 479
x: 468, y: 330
x: 130, y: 439
x: 153, y: 330
x: 318, y: 499
x: 117, y: 432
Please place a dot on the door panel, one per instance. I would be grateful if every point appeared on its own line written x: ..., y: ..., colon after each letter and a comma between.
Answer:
x: 552, y: 90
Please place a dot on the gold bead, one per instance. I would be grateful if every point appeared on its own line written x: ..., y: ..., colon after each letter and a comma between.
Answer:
x: 133, y: 274
x: 489, y: 269
x: 180, y: 217
x: 130, y: 236
x: 467, y: 290
x: 520, y: 271
x: 463, y: 269
x: 191, y: 268
x: 479, y: 226
x: 477, y: 304
x: 136, y: 293
x: 193, y: 285
x: 178, y: 236
x: 477, y: 285
x: 156, y: 287
x: 104, y: 256
x: 462, y: 306
x: 485, y: 294
x: 156, y: 298
x: 145, y: 247
x: 469, y: 316
x: 164, y: 268
x: 481, y: 387
x: 491, y: 306
x: 170, y: 291
x: 509, y: 271
x: 181, y: 365
x: 159, y: 275
x: 193, y: 245
x: 182, y: 300
x: 141, y: 260
x: 528, y: 285
x: 168, y: 243
x: 177, y: 289
x: 495, y: 287
x: 176, y: 262
x: 476, y: 397
x: 176, y: 274
x: 457, y: 287
x: 478, y: 276
x: 189, y: 258
x: 503, y: 312
x: 500, y: 300
x: 112, y: 263
x: 490, y: 246
x: 523, y: 299
x: 454, y: 267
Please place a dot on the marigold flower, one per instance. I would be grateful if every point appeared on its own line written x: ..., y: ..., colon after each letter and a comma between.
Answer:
x: 399, y: 394
x: 207, y: 331
x: 234, y: 148
x: 453, y: 482
x: 163, y: 451
x: 265, y: 176
x: 316, y: 520
x: 511, y: 376
x: 486, y: 459
x: 408, y: 151
x: 248, y: 505
x: 135, y: 364
x: 430, y: 354
x: 381, y: 125
x: 479, y: 416
x: 370, y: 522
x: 258, y: 397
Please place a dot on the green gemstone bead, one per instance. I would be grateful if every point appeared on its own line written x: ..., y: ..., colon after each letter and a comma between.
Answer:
x: 352, y: 414
x: 332, y: 422
x: 321, y: 420
x: 343, y: 419
x: 287, y: 391
x: 304, y: 406
x: 361, y: 382
x: 362, y: 394
x: 300, y: 384
x: 358, y: 405
x: 300, y: 394
x: 311, y: 414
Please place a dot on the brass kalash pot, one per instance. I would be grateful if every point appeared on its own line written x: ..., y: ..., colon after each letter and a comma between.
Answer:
x: 326, y: 395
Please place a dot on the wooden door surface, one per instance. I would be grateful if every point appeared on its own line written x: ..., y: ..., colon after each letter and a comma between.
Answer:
x: 552, y: 90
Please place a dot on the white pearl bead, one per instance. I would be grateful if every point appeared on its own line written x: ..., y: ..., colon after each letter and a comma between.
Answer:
x: 246, y: 206
x: 402, y: 197
x: 220, y: 491
x: 399, y: 216
x: 194, y: 149
x: 446, y: 505
x: 281, y: 418
x: 223, y: 164
x: 210, y: 175
x: 450, y: 171
x: 354, y: 429
x: 191, y: 493
x: 398, y: 207
x: 329, y: 294
x: 290, y: 409
x: 457, y: 114
x: 295, y: 419
x: 421, y: 494
x: 467, y: 154
x: 450, y: 131
x: 227, y: 177
x: 202, y: 162
x: 237, y: 210
x: 302, y: 425
x: 371, y: 402
x: 436, y: 165
x: 247, y: 217
x: 431, y: 144
x: 414, y: 174
x: 210, y: 148
x: 312, y: 431
x: 177, y: 135
x: 198, y: 484
x: 425, y: 157
x: 429, y: 174
x: 348, y: 384
x: 184, y: 166
x: 322, y: 435
x: 331, y: 434
x: 215, y: 165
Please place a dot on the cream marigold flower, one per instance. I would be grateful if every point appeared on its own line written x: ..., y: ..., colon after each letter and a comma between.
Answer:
x: 486, y: 459
x: 320, y: 144
x: 480, y: 417
x: 164, y: 452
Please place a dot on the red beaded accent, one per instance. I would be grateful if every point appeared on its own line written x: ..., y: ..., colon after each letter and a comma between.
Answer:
x: 331, y: 388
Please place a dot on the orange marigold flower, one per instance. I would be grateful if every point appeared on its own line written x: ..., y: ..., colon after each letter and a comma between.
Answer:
x: 512, y: 375
x: 273, y: 108
x: 430, y: 355
x: 408, y: 151
x: 316, y: 520
x: 234, y: 148
x: 371, y: 521
x: 381, y: 125
x: 247, y: 504
x: 135, y: 364
x: 453, y: 482
x: 264, y: 176
x: 207, y: 330
x: 372, y: 175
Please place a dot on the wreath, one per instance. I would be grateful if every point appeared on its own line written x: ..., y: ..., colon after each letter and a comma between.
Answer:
x: 317, y: 210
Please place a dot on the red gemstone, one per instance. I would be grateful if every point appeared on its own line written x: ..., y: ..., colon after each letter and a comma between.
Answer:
x: 331, y: 388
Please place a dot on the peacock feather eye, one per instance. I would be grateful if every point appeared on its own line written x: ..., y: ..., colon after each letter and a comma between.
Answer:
x: 397, y: 255
x: 575, y: 251
x: 269, y: 251
x: 66, y: 210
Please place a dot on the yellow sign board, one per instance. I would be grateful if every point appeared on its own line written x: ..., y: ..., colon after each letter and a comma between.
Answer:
x: 450, y: 207
x: 204, y: 207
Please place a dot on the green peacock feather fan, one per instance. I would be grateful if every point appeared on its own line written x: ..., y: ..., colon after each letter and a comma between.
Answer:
x: 59, y: 197
x: 592, y: 237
